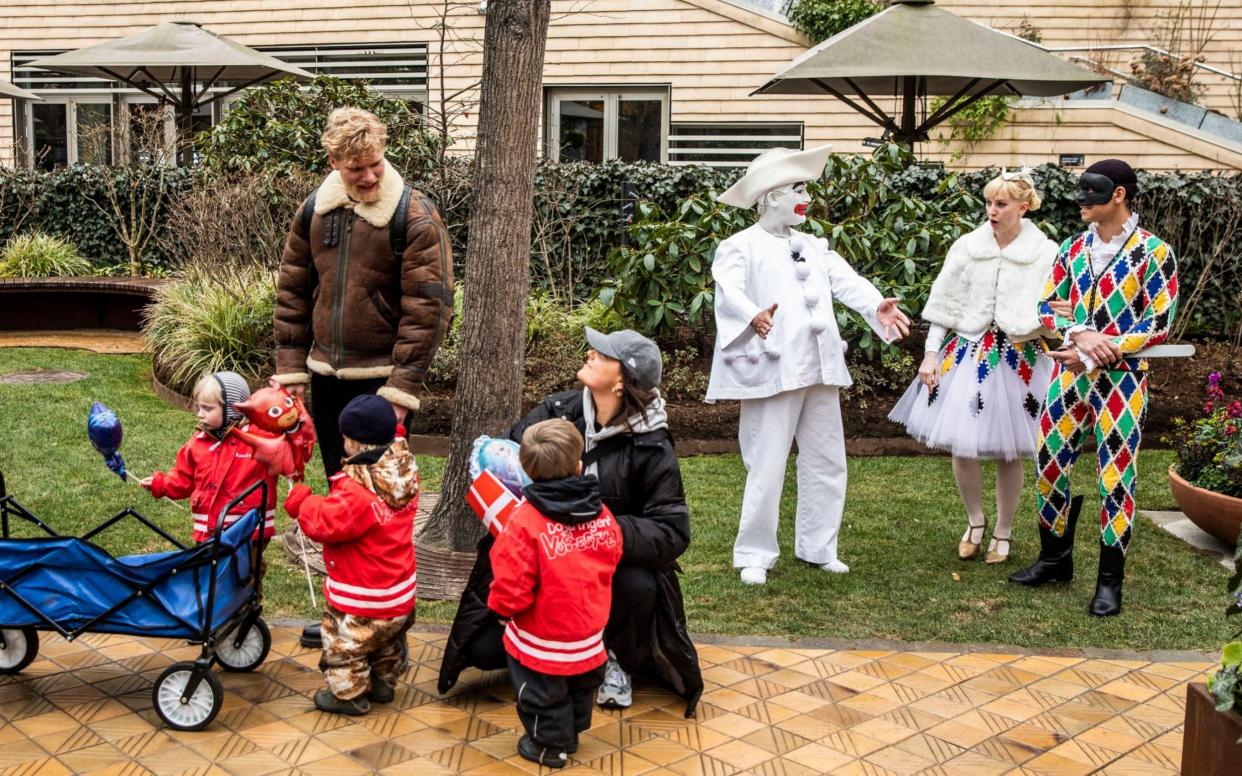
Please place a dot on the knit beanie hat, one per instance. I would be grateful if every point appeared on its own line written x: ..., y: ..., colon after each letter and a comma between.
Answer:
x: 1120, y: 173
x: 233, y: 390
x: 368, y: 419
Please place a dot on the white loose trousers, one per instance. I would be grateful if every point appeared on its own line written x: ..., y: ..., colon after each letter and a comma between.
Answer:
x: 766, y: 431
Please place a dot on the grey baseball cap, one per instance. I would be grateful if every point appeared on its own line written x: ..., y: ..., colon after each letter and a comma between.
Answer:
x: 639, y: 356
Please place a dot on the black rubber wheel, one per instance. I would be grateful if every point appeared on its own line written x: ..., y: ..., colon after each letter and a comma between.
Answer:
x: 202, y: 706
x: 250, y: 653
x: 21, y: 645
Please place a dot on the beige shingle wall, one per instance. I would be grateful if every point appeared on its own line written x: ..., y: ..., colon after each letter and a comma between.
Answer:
x: 713, y: 55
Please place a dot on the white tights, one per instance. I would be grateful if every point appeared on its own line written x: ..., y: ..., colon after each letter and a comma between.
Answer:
x: 969, y: 475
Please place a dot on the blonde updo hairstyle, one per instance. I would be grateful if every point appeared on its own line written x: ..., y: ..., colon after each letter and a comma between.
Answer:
x: 1015, y: 189
x: 353, y: 133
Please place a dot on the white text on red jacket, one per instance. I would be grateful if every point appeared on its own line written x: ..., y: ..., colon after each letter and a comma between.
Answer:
x: 559, y: 540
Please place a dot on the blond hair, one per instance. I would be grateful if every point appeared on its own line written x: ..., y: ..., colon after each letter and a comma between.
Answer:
x: 1016, y: 189
x: 208, y: 391
x: 353, y: 133
x: 551, y: 450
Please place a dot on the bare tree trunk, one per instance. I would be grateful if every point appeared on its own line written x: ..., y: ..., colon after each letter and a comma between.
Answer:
x: 489, y: 383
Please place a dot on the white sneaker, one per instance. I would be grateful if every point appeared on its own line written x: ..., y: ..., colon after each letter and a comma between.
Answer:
x: 835, y: 566
x: 616, y: 692
x: 754, y: 575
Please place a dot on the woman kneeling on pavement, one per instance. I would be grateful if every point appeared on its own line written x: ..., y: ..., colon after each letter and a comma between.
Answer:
x: 620, y: 413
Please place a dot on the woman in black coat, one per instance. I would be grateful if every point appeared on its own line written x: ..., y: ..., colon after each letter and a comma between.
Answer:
x: 628, y: 447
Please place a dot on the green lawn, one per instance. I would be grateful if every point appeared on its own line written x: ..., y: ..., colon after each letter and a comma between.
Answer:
x: 902, y: 524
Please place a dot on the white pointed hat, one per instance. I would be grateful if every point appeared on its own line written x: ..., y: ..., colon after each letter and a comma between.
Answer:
x: 774, y: 168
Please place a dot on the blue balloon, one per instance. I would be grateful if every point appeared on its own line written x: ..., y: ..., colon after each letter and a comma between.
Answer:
x: 103, y: 428
x: 500, y: 457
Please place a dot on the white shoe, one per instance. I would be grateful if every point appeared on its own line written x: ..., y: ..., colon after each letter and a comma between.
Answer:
x: 753, y: 575
x: 616, y: 692
x: 835, y: 566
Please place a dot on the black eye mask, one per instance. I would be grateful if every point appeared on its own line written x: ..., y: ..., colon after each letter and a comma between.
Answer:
x: 1094, y: 189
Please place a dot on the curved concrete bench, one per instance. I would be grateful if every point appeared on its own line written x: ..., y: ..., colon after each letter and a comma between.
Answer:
x: 61, y: 304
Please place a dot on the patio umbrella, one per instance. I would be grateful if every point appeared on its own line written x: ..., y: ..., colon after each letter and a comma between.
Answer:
x: 177, y: 63
x: 915, y: 49
x: 9, y: 90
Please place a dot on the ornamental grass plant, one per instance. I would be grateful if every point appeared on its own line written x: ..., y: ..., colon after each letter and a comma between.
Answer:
x: 35, y: 254
x: 209, y: 319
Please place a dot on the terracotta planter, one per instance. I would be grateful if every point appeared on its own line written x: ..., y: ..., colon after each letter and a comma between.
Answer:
x: 1209, y: 743
x: 1219, y: 515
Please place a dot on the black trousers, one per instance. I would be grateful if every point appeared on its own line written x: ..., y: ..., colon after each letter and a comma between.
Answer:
x: 554, y: 709
x: 328, y: 396
x: 629, y: 629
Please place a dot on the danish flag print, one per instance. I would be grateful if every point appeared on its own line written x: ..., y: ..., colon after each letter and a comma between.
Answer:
x: 492, y: 501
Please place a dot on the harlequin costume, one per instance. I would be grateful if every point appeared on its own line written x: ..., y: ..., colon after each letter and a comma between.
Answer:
x: 1131, y: 299
x: 985, y: 330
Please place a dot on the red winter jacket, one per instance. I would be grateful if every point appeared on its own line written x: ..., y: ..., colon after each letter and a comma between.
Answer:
x: 213, y: 473
x: 553, y: 567
x: 368, y: 547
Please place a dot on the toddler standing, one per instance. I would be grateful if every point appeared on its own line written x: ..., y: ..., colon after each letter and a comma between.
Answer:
x: 553, y: 567
x: 366, y: 525
x: 214, y: 467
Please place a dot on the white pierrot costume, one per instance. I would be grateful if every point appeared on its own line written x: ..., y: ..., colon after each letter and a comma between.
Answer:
x: 753, y: 270
x: 789, y: 382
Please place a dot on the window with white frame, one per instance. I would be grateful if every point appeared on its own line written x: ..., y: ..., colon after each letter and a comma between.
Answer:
x: 729, y: 144
x: 55, y: 129
x: 594, y: 124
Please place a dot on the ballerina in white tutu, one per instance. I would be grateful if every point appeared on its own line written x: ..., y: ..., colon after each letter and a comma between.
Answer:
x: 984, y: 375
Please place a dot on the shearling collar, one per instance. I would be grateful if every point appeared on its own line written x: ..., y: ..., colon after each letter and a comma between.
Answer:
x: 378, y: 213
x: 981, y: 244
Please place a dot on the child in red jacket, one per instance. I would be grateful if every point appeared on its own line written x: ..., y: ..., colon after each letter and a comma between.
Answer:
x: 366, y: 525
x: 553, y: 567
x: 214, y: 467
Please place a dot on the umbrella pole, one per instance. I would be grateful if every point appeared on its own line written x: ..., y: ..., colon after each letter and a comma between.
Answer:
x: 186, y: 109
x: 908, y: 135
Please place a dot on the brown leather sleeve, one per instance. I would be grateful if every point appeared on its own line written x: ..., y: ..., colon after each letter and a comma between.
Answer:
x: 294, y: 305
x: 426, y: 298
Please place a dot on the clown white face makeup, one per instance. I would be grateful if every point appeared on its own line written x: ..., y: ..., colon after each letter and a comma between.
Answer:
x: 784, y: 207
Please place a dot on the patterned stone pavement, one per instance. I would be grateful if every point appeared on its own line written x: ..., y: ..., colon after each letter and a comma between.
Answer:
x: 85, y: 707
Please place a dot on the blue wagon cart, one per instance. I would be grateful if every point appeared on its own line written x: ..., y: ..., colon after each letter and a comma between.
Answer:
x: 208, y: 594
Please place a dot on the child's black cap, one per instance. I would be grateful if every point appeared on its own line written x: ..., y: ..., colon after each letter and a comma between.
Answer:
x: 368, y: 419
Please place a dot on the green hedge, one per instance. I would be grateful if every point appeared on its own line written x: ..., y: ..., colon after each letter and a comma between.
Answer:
x: 875, y: 200
x: 60, y: 203
x: 894, y: 221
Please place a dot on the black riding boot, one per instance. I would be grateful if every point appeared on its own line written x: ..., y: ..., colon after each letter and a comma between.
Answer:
x: 1056, y: 554
x: 1107, y: 601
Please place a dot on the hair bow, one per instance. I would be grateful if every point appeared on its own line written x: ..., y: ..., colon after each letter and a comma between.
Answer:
x: 1023, y: 174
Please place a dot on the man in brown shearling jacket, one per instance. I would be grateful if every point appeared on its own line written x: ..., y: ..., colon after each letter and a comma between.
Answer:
x: 352, y: 317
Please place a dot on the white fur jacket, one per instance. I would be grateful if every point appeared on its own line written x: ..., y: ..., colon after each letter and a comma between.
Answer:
x: 982, y: 282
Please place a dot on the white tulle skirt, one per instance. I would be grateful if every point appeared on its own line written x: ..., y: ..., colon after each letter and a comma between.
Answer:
x: 988, y: 401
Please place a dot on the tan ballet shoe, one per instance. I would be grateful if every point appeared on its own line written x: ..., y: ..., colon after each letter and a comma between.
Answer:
x: 967, y: 549
x: 992, y: 555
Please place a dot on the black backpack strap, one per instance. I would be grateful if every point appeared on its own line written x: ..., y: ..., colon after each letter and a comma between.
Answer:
x: 396, y: 228
x: 308, y: 212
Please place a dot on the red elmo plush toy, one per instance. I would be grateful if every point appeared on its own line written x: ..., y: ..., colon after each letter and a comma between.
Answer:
x: 280, y: 431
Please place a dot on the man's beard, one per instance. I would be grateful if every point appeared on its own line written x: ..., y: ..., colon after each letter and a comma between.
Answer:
x: 369, y: 196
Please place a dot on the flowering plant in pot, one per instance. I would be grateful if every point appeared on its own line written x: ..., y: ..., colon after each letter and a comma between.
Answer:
x: 1206, y: 481
x: 1209, y: 450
